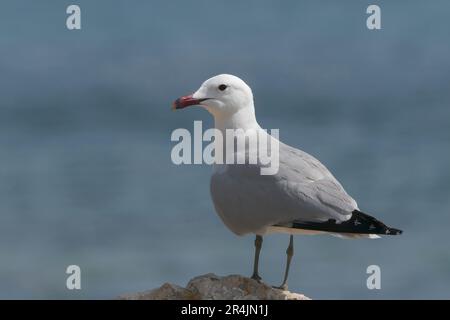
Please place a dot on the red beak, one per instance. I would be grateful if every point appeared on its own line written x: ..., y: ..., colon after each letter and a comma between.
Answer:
x: 186, y: 101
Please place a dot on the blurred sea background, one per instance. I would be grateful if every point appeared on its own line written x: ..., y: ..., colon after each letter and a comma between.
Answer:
x: 86, y: 176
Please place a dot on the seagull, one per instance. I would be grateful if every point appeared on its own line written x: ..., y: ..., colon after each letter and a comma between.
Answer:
x: 302, y: 197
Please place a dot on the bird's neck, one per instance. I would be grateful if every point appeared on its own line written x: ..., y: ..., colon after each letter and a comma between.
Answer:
x: 243, y: 119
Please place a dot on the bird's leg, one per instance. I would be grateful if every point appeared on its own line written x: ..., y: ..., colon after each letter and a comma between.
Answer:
x: 289, y: 253
x: 258, y: 244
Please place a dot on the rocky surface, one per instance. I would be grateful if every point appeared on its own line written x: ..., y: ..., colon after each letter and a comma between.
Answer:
x: 213, y: 287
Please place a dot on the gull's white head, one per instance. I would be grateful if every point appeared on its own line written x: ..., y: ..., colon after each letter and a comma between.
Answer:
x: 222, y: 95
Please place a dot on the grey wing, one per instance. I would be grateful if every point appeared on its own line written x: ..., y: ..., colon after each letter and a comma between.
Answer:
x: 310, y: 173
x: 303, y: 189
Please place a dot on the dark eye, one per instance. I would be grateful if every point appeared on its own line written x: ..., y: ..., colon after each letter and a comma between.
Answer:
x: 222, y: 87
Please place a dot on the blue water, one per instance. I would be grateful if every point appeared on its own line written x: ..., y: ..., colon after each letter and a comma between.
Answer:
x: 85, y: 124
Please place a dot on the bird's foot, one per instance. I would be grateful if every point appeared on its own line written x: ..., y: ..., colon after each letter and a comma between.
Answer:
x: 256, y: 277
x: 283, y: 287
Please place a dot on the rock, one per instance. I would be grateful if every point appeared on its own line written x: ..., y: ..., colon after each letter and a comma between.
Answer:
x: 167, y: 291
x: 213, y: 287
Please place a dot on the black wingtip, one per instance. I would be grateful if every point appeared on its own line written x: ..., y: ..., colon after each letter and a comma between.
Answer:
x: 360, y: 223
x: 373, y: 224
x: 394, y: 232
